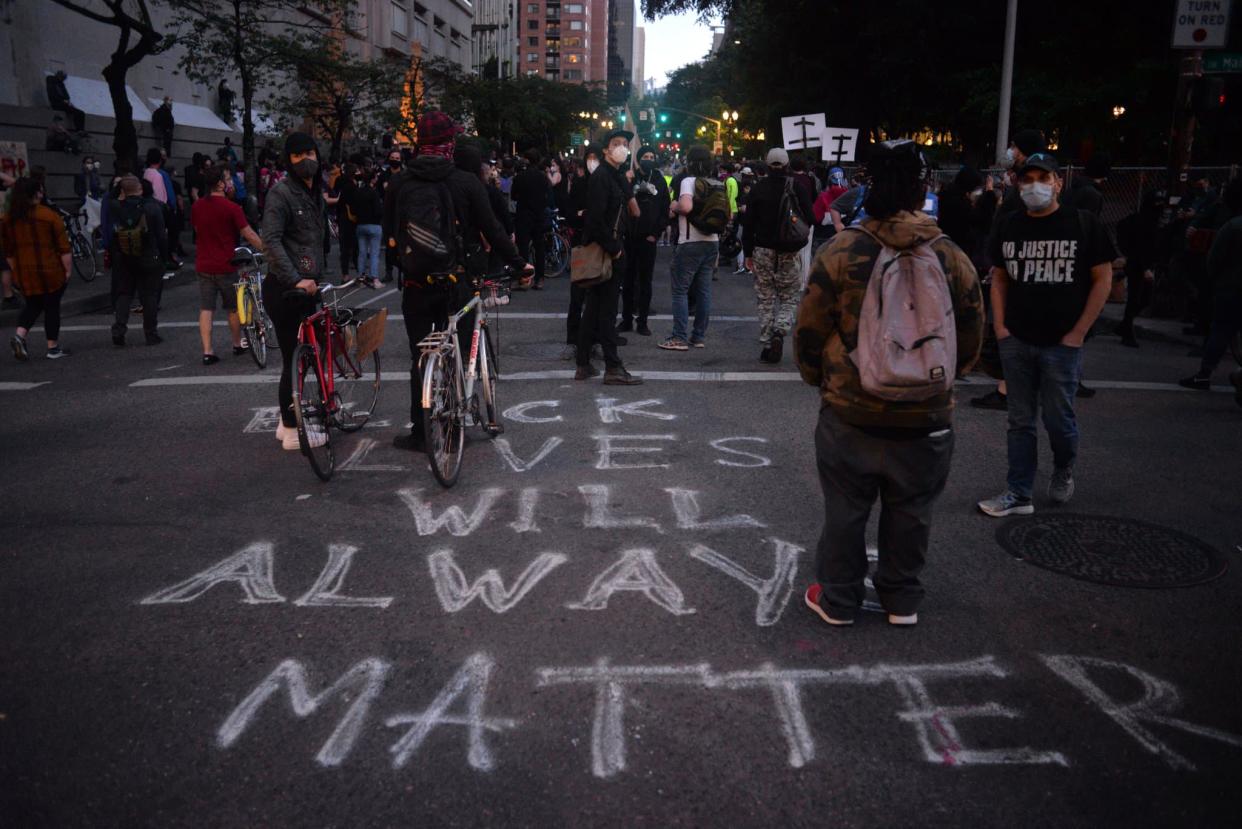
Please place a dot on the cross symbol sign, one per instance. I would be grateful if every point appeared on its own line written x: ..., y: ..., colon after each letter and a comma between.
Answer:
x: 804, y: 123
x: 838, y: 152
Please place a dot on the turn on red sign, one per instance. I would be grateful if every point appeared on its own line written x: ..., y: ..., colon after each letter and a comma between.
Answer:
x: 1201, y: 24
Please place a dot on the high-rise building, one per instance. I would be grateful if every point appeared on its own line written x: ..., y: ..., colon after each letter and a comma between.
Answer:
x: 620, y: 50
x: 495, y: 35
x: 640, y: 59
x: 556, y: 40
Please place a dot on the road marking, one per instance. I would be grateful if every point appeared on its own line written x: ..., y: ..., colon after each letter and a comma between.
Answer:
x: 387, y: 293
x: 514, y: 315
x: 15, y: 386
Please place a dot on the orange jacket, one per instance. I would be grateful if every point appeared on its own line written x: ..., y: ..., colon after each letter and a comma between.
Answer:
x: 35, y: 246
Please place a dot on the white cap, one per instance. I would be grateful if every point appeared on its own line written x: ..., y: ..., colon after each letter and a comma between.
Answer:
x: 777, y: 155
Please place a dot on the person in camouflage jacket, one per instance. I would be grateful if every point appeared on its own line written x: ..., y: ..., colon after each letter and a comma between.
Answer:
x: 865, y: 446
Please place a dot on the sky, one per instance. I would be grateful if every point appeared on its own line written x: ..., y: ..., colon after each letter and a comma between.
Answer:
x: 674, y: 41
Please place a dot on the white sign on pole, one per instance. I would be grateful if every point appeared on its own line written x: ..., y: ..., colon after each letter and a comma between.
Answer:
x: 802, y: 132
x: 839, y: 144
x: 1201, y: 24
x: 13, y: 158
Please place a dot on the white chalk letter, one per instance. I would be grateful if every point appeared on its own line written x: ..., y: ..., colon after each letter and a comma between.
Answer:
x: 527, y: 502
x: 454, y: 594
x: 517, y: 464
x: 599, y: 514
x: 471, y: 679
x: 610, y: 411
x: 326, y: 591
x: 365, y: 680
x: 1160, y: 699
x: 755, y: 460
x: 357, y: 460
x: 452, y: 519
x: 250, y: 568
x: 636, y: 570
x: 686, y: 507
x: 608, y: 450
x: 518, y: 413
x: 774, y: 591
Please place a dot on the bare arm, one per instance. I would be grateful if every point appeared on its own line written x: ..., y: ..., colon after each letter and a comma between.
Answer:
x: 836, y: 220
x: 1101, y: 286
x: 999, y: 292
x: 252, y: 238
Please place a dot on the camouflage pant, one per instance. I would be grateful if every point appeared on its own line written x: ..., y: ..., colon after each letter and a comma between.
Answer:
x: 778, y: 287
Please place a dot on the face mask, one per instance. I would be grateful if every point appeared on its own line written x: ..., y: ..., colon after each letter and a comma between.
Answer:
x: 1037, y: 195
x: 1010, y: 159
x: 619, y: 154
x: 96, y: 165
x: 591, y: 165
x: 306, y: 168
x: 648, y: 165
x: 394, y: 164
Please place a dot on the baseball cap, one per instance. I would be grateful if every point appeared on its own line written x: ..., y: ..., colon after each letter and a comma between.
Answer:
x: 777, y: 155
x: 746, y: 171
x: 1041, y: 161
x: 626, y: 134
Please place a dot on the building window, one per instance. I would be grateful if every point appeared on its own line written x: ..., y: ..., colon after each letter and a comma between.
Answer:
x: 572, y: 42
x: 532, y: 57
x: 552, y: 76
x: 532, y: 24
x: 576, y: 25
x: 573, y: 58
x: 400, y: 20
x: 573, y: 8
x: 420, y: 30
x: 532, y: 8
x: 532, y: 41
x: 573, y: 74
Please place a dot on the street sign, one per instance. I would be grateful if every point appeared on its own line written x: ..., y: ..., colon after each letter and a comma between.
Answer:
x: 576, y: 139
x: 1223, y: 63
x: 839, y: 144
x: 717, y: 147
x: 642, y: 115
x: 802, y: 132
x: 1201, y: 24
x: 13, y: 158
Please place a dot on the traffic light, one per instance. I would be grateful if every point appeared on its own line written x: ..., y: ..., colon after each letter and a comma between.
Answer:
x: 1208, y: 94
x: 677, y: 135
x: 621, y: 117
x: 663, y: 117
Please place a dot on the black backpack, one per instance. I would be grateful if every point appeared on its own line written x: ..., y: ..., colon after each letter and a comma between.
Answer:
x: 794, y: 229
x: 428, y: 241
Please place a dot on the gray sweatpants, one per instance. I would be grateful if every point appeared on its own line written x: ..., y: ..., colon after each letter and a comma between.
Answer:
x: 908, y: 475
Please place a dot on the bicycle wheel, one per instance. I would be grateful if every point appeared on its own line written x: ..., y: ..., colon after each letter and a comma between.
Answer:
x: 442, y: 418
x: 311, y: 408
x: 556, y: 258
x: 356, y: 385
x: 84, y: 263
x: 489, y: 373
x: 256, y: 332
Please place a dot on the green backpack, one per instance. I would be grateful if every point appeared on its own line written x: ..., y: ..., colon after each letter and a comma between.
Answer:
x: 131, y: 231
x: 711, y: 206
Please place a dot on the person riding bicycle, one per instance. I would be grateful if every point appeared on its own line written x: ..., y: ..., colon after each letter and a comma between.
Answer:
x: 292, y: 233
x: 427, y: 305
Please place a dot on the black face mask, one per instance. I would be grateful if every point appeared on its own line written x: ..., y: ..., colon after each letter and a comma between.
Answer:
x: 394, y: 164
x: 648, y: 165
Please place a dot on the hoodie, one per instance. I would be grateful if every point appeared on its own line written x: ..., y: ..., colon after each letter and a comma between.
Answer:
x: 827, y: 327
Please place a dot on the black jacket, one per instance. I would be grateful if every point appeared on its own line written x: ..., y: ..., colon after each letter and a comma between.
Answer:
x: 470, y: 203
x: 762, y: 217
x: 57, y: 94
x: 162, y: 118
x: 500, y: 207
x: 293, y: 227
x: 578, y: 190
x: 364, y: 200
x: 653, y: 207
x: 530, y: 191
x: 1084, y: 194
x: 607, y: 195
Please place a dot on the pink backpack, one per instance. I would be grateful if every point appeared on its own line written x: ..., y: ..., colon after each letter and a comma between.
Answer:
x: 907, y: 335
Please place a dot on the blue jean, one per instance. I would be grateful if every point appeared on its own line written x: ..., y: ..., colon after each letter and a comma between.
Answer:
x: 693, y: 263
x: 1039, y: 376
x: 369, y: 250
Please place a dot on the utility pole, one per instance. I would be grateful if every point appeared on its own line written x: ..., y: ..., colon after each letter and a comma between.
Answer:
x: 1006, y: 90
x: 1182, y: 133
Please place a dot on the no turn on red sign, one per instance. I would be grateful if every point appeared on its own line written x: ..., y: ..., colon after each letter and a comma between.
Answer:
x: 1201, y: 24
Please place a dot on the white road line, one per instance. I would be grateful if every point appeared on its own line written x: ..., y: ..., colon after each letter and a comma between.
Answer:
x: 12, y: 385
x: 393, y: 318
x: 389, y: 292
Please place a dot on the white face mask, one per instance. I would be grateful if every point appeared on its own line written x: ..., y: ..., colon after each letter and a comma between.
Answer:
x: 619, y: 154
x: 591, y: 165
x: 1010, y: 159
x: 1037, y: 195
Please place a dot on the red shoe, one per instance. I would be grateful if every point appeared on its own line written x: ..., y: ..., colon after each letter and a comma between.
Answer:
x: 811, y: 598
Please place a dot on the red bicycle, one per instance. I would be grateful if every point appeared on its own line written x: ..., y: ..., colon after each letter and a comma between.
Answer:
x: 336, y: 369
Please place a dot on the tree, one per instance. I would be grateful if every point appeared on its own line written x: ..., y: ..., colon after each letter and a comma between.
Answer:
x: 341, y: 93
x: 252, y: 38
x: 150, y: 42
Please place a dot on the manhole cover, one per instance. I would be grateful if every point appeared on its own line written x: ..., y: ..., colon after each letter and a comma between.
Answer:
x: 1116, y: 551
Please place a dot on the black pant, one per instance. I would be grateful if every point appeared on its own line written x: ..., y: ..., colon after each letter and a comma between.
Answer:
x: 135, y: 276
x: 1226, y: 321
x: 348, y: 243
x: 78, y: 116
x: 166, y: 140
x: 287, y: 314
x: 46, y: 304
x: 528, y: 231
x: 640, y: 256
x: 1138, y: 295
x: 424, y: 309
x: 908, y: 475
x: 577, y: 296
x: 599, y: 320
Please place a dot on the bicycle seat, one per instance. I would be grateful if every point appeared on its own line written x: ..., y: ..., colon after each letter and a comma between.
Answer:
x: 240, y: 261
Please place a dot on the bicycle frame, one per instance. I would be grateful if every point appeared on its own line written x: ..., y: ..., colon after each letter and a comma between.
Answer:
x: 325, y: 354
x: 446, y: 341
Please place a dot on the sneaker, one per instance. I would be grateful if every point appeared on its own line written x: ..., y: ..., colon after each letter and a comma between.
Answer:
x: 153, y: 338
x: 410, y: 442
x: 643, y: 330
x: 903, y: 621
x: 1006, y: 503
x: 777, y: 346
x: 315, y: 437
x: 811, y: 599
x: 586, y: 372
x: 1084, y: 392
x: 765, y: 355
x: 283, y: 431
x: 674, y: 344
x: 625, y: 328
x: 1196, y: 383
x: 739, y: 272
x: 992, y: 400
x: 698, y: 343
x: 57, y: 352
x: 1061, y: 486
x: 239, y: 350
x: 569, y: 352
x: 10, y: 303
x: 19, y: 348
x: 620, y: 377
x: 210, y: 359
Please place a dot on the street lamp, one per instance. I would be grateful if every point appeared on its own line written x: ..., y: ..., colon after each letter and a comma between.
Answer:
x: 1119, y: 111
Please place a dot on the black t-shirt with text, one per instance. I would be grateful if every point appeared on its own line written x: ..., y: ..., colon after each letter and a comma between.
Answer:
x: 1048, y: 260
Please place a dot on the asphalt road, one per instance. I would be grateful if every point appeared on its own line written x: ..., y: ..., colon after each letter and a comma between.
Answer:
x: 601, y: 624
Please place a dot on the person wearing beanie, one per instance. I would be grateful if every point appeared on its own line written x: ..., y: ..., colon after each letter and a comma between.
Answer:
x: 651, y: 193
x: 292, y: 233
x: 427, y: 306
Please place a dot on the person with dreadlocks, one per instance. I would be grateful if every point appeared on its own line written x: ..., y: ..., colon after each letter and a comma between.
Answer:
x: 866, y: 445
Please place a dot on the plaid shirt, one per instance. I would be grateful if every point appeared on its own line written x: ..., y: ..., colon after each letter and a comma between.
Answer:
x: 35, y: 245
